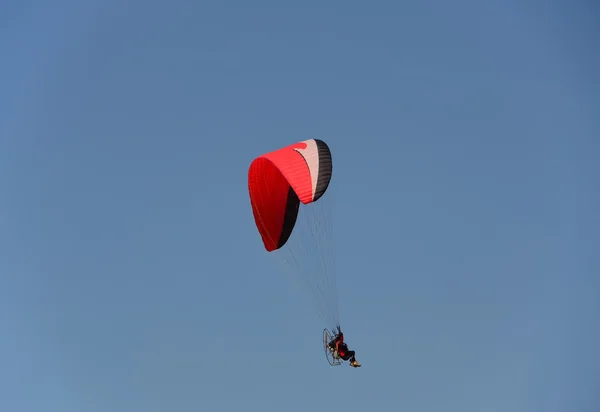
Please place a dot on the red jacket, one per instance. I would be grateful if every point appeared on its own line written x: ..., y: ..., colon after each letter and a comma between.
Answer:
x: 340, y: 346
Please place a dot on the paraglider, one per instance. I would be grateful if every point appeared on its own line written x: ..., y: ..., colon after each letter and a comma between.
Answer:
x: 288, y: 190
x: 340, y: 350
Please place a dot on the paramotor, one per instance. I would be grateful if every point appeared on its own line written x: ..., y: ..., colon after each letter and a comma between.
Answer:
x: 331, y: 355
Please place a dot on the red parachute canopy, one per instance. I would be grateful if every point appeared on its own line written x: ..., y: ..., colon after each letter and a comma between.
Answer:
x: 278, y: 181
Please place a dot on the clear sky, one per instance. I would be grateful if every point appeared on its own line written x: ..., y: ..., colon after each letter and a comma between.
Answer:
x: 465, y: 139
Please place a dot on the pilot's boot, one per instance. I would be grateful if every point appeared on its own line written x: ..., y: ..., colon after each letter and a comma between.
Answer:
x: 355, y: 364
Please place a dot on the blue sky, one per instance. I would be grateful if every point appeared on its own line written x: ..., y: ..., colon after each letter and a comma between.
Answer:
x: 464, y: 136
